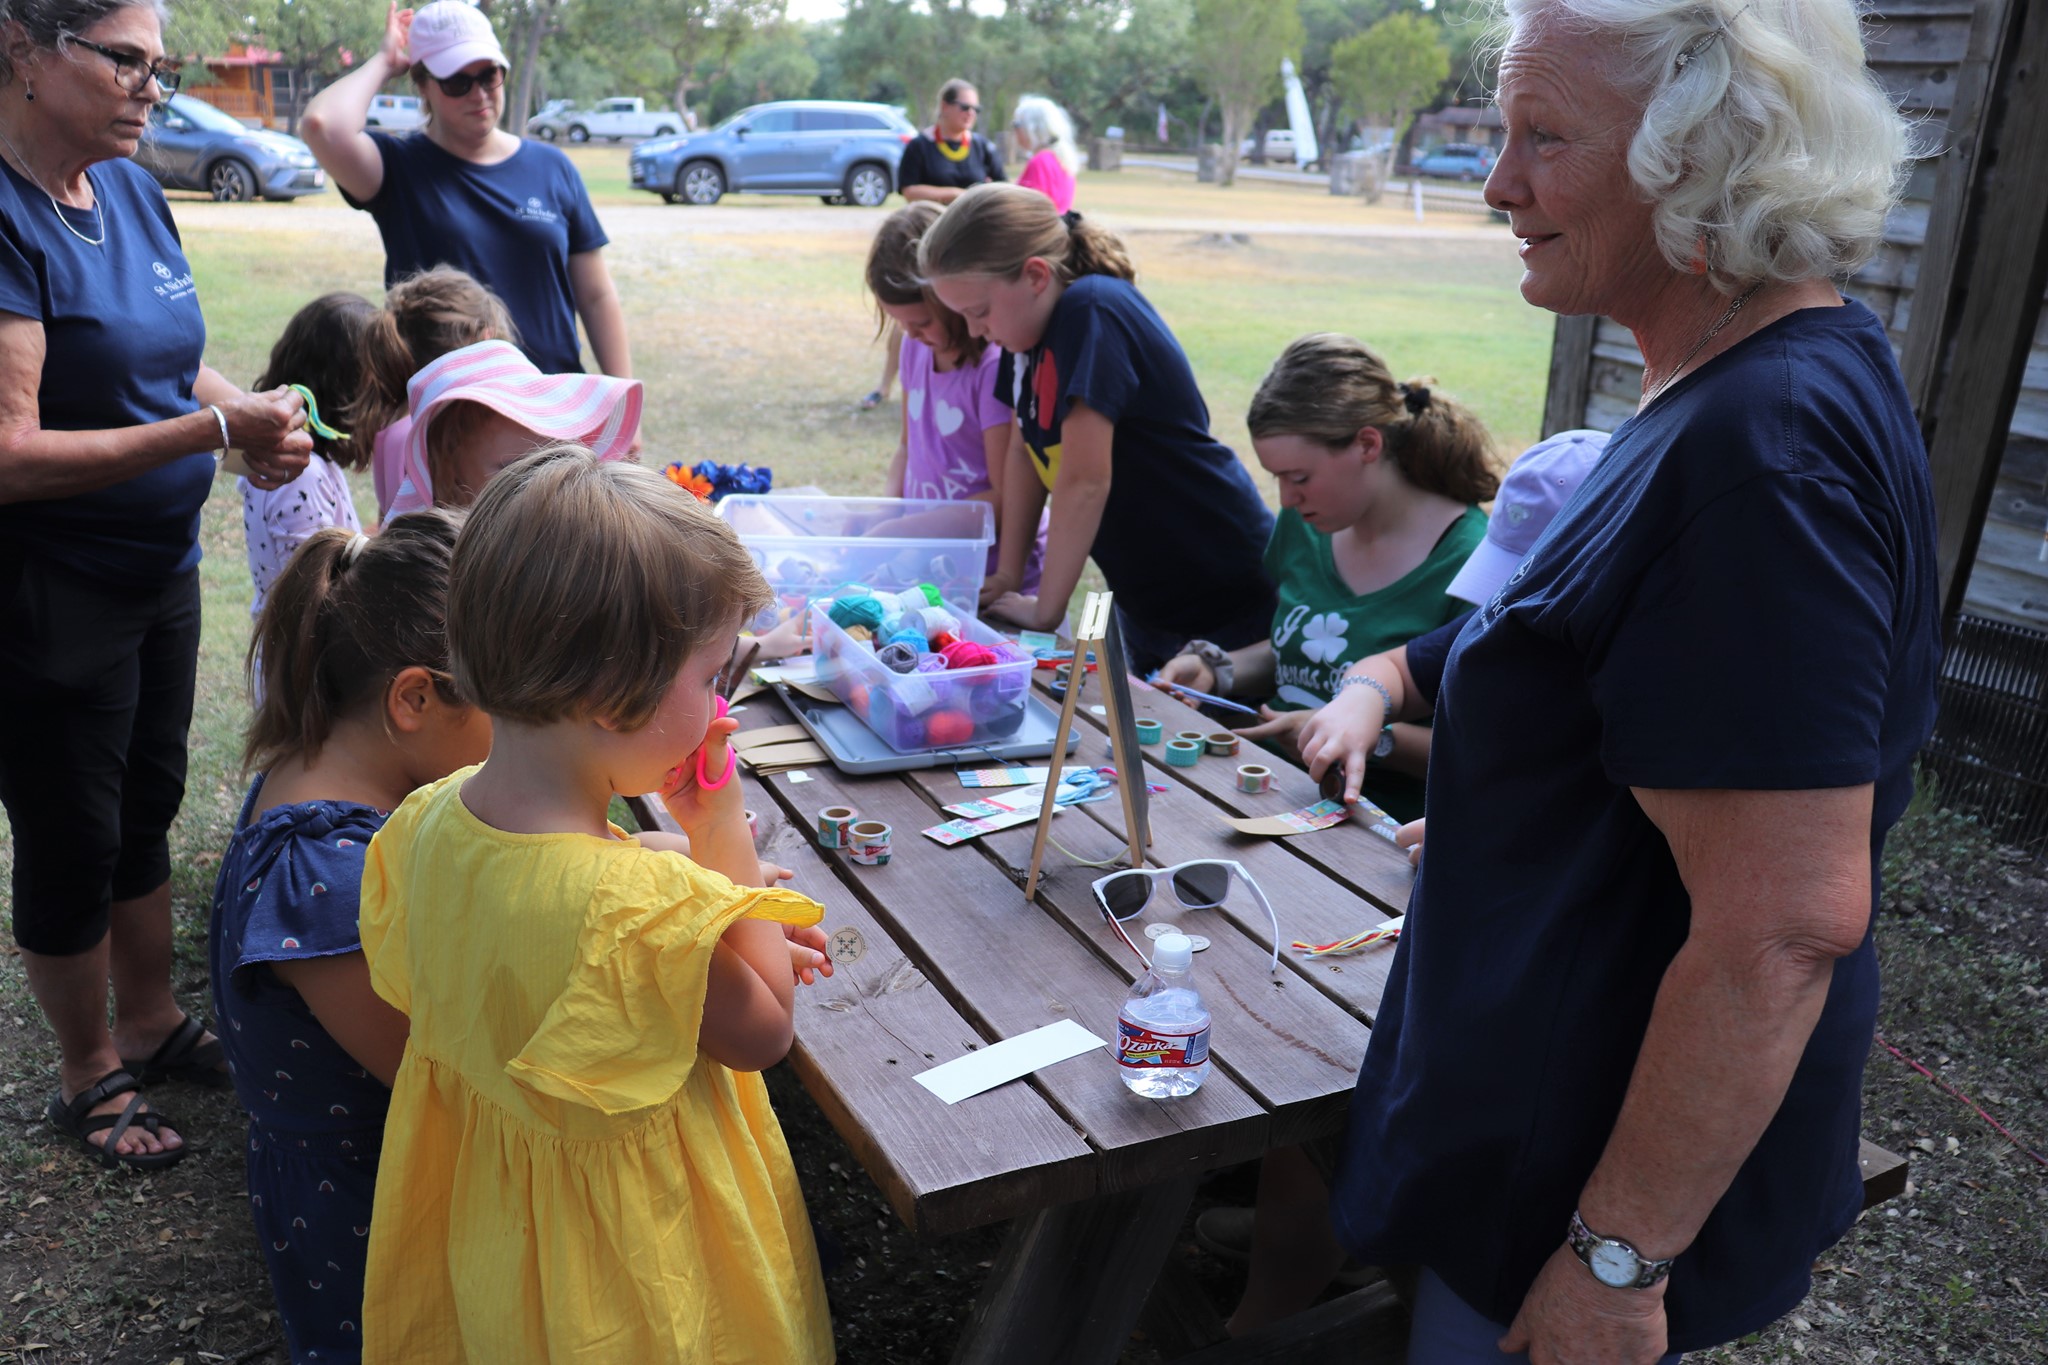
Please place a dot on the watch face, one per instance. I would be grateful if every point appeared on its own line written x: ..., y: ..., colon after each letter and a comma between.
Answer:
x: 1614, y: 1264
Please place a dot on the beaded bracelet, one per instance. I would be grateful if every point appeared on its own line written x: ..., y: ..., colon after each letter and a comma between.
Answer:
x: 1374, y: 683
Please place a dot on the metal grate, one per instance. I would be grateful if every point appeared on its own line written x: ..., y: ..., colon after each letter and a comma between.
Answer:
x: 1989, y: 754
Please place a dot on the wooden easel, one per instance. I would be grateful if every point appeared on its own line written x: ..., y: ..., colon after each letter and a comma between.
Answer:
x: 1098, y: 632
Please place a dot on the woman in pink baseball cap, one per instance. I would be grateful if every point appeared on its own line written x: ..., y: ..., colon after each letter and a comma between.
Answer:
x: 464, y: 192
x: 479, y: 409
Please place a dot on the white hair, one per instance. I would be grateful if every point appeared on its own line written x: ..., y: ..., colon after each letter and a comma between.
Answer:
x: 1047, y: 125
x: 1766, y: 145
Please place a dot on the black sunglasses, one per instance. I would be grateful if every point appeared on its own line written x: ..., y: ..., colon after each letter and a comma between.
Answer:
x: 462, y: 82
x: 132, y: 73
x: 970, y: 108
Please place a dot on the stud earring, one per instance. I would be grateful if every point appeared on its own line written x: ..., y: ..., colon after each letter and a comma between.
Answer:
x: 29, y: 92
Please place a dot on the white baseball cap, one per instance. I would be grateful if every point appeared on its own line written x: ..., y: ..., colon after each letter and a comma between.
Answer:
x: 1535, y: 490
x: 449, y: 35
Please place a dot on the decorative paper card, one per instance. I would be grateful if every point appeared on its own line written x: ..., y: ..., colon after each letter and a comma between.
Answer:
x: 960, y: 831
x: 1377, y: 820
x: 1014, y: 776
x: 796, y: 671
x: 1035, y: 640
x: 1002, y: 803
x: 999, y: 1063
x: 1307, y: 820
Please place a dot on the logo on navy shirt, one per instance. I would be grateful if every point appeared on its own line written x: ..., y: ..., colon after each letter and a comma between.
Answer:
x: 174, y: 286
x: 534, y: 211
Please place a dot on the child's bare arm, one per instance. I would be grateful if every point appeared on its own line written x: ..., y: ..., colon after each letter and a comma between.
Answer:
x: 337, y: 989
x: 748, y: 1005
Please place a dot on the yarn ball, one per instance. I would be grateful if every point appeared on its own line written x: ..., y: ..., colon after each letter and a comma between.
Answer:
x: 909, y: 639
x: 944, y: 638
x: 939, y: 621
x: 861, y: 634
x: 848, y: 612
x: 929, y: 593
x: 967, y: 654
x: 898, y: 657
x: 948, y: 728
x: 931, y: 663
x: 857, y: 699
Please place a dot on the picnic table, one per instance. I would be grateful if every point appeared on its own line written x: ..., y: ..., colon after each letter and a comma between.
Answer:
x: 1096, y: 1180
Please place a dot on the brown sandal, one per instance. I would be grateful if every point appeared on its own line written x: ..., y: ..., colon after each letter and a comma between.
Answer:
x: 74, y: 1118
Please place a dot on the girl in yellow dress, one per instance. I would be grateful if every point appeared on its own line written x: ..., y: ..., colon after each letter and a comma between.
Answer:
x: 580, y: 1163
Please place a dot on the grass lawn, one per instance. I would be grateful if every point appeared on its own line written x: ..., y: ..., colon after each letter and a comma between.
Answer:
x: 754, y: 345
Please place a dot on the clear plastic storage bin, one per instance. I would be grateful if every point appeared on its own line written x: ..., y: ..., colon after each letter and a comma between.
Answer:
x: 810, y: 547
x: 917, y: 712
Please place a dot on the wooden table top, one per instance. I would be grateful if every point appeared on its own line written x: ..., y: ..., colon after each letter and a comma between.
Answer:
x: 956, y: 958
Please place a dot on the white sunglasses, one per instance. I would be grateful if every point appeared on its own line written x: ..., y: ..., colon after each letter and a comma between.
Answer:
x: 1199, y: 884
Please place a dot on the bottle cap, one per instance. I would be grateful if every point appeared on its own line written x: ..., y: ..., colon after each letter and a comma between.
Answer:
x: 1173, y: 953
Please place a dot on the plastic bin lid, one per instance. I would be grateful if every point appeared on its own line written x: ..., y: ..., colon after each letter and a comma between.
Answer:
x: 786, y: 515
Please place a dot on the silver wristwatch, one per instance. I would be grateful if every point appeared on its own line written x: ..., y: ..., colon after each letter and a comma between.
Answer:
x: 1385, y: 744
x: 1614, y: 1262
x: 1219, y: 662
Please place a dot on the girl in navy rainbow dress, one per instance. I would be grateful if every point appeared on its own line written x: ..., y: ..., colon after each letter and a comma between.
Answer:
x: 358, y: 709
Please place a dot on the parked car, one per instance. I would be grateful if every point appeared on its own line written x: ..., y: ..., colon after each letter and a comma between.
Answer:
x: 1279, y: 145
x: 1457, y: 161
x: 613, y: 119
x: 549, y: 121
x: 841, y: 151
x: 400, y: 113
x: 193, y: 146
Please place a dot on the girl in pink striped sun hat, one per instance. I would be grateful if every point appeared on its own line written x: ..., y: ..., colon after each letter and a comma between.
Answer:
x: 478, y: 409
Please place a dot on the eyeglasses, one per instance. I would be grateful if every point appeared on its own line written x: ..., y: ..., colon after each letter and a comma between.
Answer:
x: 970, y: 108
x: 1201, y: 884
x: 462, y: 82
x: 132, y: 73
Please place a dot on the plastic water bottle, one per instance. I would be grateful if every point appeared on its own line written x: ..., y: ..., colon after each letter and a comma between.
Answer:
x: 1162, y: 1032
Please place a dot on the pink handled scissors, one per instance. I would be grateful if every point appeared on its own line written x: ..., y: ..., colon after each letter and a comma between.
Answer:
x: 732, y: 762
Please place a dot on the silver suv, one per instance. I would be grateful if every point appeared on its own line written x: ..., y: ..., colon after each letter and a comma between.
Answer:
x: 843, y: 152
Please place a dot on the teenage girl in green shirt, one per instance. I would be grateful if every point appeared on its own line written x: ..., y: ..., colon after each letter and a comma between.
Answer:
x: 1379, y: 486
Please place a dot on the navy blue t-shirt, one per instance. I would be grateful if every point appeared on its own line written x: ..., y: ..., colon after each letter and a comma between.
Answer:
x: 122, y: 339
x: 924, y: 164
x: 1427, y: 655
x: 1183, y: 536
x: 1741, y: 595
x: 514, y: 225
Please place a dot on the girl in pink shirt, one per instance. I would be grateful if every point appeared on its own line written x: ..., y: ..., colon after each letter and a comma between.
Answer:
x: 1044, y: 130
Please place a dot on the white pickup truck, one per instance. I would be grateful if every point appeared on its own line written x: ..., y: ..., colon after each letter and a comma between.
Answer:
x: 611, y: 119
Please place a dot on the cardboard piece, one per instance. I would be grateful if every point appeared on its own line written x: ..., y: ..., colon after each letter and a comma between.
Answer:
x: 775, y: 758
x: 999, y: 1063
x: 773, y: 734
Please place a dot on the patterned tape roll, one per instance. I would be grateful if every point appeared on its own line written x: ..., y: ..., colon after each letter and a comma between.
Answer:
x: 1149, y: 731
x: 1183, y: 753
x: 1254, y: 778
x: 754, y: 827
x: 1222, y: 745
x: 833, y: 824
x: 1195, y: 735
x: 867, y: 842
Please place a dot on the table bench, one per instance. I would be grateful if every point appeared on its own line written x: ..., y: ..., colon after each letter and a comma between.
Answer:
x: 1095, y: 1181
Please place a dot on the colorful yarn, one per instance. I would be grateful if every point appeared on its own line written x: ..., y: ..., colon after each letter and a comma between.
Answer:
x: 1355, y: 943
x: 938, y: 621
x: 930, y: 663
x: 909, y: 639
x: 898, y: 657
x: 861, y: 634
x: 967, y: 654
x: 848, y: 612
x: 949, y: 728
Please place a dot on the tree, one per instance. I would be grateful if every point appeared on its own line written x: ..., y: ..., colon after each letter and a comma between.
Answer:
x: 774, y: 65
x: 1391, y: 68
x: 1237, y: 52
x: 700, y: 38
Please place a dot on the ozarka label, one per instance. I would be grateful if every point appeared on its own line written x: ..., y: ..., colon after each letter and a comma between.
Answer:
x: 1139, y: 1046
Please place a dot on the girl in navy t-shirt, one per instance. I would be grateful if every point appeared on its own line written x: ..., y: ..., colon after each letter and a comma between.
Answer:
x: 1111, y: 423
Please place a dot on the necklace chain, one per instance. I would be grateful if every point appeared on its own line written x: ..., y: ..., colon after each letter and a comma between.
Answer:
x: 55, y: 207
x: 1698, y: 346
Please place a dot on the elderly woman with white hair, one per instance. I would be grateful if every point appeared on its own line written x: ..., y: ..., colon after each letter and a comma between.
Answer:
x: 1045, y: 132
x: 1611, y: 1102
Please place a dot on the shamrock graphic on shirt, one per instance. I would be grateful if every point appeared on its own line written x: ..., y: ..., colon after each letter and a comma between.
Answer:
x: 1322, y: 639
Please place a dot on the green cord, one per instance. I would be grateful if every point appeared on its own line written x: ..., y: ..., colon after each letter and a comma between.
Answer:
x: 313, y: 422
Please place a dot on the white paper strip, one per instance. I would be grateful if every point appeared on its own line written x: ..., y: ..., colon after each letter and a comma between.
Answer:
x: 992, y: 1066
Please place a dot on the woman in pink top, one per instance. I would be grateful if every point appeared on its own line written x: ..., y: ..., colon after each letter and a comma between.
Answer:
x: 1045, y: 132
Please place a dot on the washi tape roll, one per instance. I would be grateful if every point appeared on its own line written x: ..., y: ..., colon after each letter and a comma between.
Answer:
x: 1254, y: 778
x: 867, y: 842
x: 1194, y: 736
x: 833, y: 824
x: 1149, y: 731
x: 753, y: 827
x: 1222, y: 745
x: 1183, y: 753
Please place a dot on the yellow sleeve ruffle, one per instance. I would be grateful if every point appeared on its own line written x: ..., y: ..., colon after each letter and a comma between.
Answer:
x: 622, y: 1035
x: 380, y: 909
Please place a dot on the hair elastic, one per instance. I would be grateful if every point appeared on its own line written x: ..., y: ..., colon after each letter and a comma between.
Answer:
x: 354, y: 549
x: 1414, y: 397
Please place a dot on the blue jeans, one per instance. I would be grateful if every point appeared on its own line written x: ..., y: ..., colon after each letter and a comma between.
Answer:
x: 1448, y: 1331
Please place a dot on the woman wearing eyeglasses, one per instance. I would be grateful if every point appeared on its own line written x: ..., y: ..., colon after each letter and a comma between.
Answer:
x: 464, y: 192
x: 108, y: 420
x: 939, y: 164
